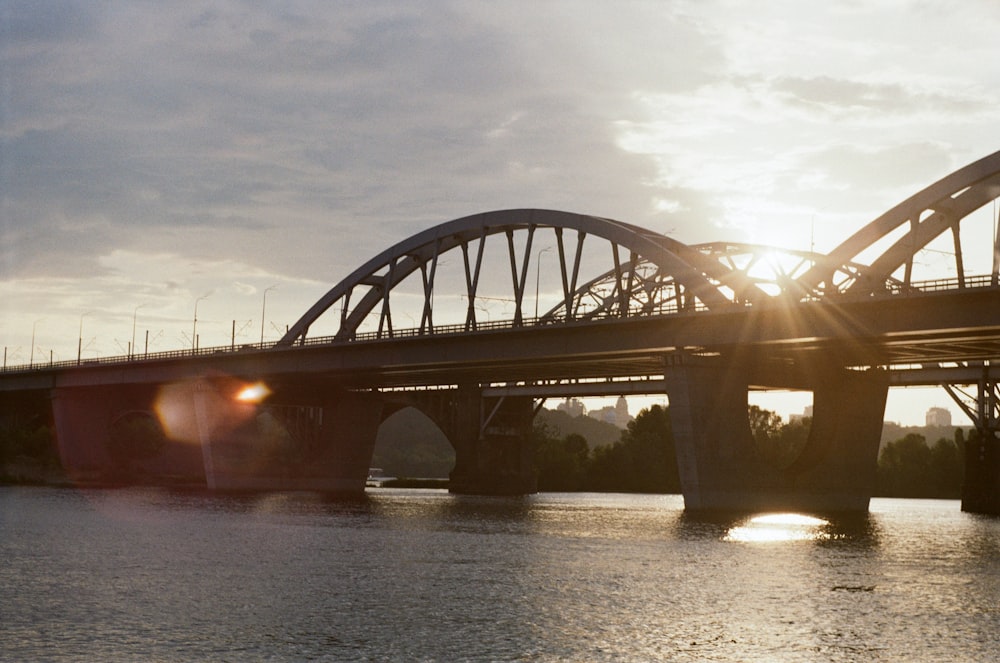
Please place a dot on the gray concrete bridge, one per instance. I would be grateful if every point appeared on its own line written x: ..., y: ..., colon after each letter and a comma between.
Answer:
x: 638, y: 312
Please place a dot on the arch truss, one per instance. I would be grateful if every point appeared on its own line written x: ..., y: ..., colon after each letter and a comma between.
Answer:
x: 640, y: 272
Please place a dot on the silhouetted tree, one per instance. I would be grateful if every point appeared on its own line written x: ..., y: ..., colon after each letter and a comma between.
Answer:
x: 908, y: 467
x: 791, y: 440
x: 643, y: 460
x: 764, y: 424
x: 561, y: 462
x: 411, y: 445
x: 948, y: 466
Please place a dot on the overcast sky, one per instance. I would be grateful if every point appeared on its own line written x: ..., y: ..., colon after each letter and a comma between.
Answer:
x: 152, y: 153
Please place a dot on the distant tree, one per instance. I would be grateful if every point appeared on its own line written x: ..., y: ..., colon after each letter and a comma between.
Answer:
x: 791, y: 441
x: 948, y: 466
x: 764, y: 424
x: 643, y: 460
x: 561, y: 462
x: 409, y: 444
x: 909, y: 467
x: 903, y: 466
x: 597, y: 433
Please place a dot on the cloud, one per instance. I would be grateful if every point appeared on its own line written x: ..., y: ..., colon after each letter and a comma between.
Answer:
x: 31, y: 22
x: 283, y: 131
x: 888, y: 102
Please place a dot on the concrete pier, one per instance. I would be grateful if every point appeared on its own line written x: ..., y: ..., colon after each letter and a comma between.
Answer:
x: 720, y: 466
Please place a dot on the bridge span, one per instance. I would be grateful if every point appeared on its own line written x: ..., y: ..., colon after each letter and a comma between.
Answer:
x: 636, y: 312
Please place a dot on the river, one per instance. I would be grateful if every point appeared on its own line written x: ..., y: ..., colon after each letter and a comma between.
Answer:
x: 421, y: 575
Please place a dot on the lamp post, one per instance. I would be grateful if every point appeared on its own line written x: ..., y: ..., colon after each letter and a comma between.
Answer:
x: 538, y: 269
x: 79, y: 343
x: 194, y: 327
x: 263, y: 307
x: 31, y: 357
x: 131, y: 347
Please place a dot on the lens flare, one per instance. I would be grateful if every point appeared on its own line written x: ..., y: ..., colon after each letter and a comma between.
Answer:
x: 254, y: 393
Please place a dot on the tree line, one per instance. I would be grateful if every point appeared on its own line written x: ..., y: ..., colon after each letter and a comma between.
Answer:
x: 644, y: 459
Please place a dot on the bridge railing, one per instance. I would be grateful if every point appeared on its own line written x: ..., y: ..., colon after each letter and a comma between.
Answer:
x: 941, y: 285
x: 916, y: 287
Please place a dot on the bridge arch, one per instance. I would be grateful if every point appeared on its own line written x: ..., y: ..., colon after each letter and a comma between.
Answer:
x: 914, y: 224
x: 696, y: 279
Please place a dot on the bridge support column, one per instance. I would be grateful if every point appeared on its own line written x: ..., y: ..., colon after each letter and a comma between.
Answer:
x: 327, y: 448
x: 494, y: 450
x: 81, y: 418
x: 981, y: 488
x: 113, y: 433
x: 720, y: 467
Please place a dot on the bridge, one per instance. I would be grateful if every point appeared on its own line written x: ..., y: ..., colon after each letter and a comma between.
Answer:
x: 635, y: 311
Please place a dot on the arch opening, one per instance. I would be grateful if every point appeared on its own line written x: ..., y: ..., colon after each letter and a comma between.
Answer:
x: 780, y: 440
x: 409, y: 444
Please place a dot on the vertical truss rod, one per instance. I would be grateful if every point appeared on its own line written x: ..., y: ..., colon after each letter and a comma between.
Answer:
x: 519, y: 281
x: 427, y: 317
x: 385, y: 318
x: 472, y: 278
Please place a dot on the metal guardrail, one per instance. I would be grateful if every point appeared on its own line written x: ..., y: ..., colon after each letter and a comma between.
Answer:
x: 668, y: 308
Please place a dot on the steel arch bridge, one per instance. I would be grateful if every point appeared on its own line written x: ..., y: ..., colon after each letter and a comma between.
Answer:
x: 612, y: 269
x: 708, y: 322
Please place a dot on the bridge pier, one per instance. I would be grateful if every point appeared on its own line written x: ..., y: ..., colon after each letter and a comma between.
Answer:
x: 719, y: 464
x: 112, y: 433
x: 981, y: 487
x: 324, y: 445
x: 494, y: 451
x: 197, y: 431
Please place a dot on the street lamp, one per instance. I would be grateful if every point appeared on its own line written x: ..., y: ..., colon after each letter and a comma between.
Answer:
x: 263, y: 306
x: 538, y: 268
x: 31, y: 358
x: 194, y: 328
x: 79, y: 343
x: 131, y: 347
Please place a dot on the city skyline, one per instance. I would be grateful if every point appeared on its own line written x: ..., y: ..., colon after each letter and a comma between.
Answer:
x: 206, y: 170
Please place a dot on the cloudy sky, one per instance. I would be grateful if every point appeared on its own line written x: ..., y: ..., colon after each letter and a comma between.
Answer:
x: 154, y: 153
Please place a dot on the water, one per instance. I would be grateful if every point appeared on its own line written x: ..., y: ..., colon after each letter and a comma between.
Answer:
x: 143, y: 574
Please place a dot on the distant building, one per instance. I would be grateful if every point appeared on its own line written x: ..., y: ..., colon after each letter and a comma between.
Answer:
x: 616, y: 415
x: 572, y: 407
x: 622, y: 417
x: 807, y: 413
x: 938, y: 416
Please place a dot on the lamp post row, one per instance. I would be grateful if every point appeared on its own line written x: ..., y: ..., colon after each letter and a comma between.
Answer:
x: 135, y: 314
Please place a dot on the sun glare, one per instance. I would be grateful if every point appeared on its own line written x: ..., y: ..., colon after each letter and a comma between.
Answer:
x: 254, y: 393
x: 774, y: 527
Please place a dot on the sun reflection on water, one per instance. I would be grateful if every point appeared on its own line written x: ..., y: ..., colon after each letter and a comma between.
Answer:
x: 774, y: 527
